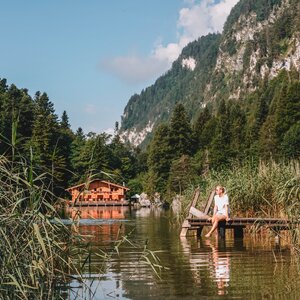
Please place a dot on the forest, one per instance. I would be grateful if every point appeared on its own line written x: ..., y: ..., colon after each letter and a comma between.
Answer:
x: 265, y: 126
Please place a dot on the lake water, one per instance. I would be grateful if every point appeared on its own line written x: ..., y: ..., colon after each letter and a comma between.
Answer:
x: 193, y: 268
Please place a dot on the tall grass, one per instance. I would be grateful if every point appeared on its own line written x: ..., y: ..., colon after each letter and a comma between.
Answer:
x: 40, y: 257
x: 265, y: 189
x: 34, y: 253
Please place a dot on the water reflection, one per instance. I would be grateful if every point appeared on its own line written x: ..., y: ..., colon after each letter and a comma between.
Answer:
x: 220, y: 264
x: 98, y: 212
x: 209, y: 255
x: 143, y: 212
x: 196, y: 268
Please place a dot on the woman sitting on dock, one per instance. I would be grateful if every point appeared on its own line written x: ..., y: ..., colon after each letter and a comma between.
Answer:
x: 221, y: 209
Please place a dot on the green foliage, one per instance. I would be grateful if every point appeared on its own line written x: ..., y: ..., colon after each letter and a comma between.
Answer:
x: 291, y: 142
x: 258, y: 189
x: 181, y: 175
x: 180, y: 132
x: 31, y: 130
x: 264, y: 126
x: 159, y: 159
x: 35, y: 255
x: 179, y: 84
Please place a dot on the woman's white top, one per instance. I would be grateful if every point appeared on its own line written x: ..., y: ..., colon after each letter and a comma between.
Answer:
x: 221, y: 203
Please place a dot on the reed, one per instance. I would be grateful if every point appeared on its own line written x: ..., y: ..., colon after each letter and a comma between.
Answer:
x: 34, y: 253
x: 265, y: 189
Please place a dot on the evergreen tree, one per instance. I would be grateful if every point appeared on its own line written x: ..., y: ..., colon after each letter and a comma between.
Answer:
x: 66, y: 138
x: 160, y: 157
x: 287, y: 110
x: 181, y: 174
x: 237, y: 127
x: 291, y: 142
x: 180, y: 132
x: 16, y: 115
x: 199, y: 126
x: 95, y: 156
x: 77, y: 165
x: 45, y: 142
x: 122, y: 159
x: 220, y: 152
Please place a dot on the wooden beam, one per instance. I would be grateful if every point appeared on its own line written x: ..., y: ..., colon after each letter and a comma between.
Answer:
x: 209, y: 202
x: 185, y: 225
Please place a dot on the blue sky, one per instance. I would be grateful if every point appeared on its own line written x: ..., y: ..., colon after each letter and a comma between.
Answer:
x: 91, y: 56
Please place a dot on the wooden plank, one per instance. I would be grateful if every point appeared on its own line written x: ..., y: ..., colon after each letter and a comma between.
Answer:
x: 195, y: 199
x: 184, y: 228
x: 209, y: 202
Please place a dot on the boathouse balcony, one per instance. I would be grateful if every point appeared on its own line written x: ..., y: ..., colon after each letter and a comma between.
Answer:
x: 97, y: 191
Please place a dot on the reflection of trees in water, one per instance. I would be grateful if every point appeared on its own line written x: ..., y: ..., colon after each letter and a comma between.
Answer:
x: 134, y: 279
x: 139, y: 281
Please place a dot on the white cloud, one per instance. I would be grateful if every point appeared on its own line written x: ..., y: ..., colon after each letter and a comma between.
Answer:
x: 135, y: 69
x: 198, y: 18
x: 204, y: 17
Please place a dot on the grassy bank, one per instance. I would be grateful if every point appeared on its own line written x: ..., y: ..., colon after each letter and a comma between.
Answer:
x: 265, y: 189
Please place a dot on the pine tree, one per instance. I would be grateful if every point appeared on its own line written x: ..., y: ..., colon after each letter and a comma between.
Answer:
x: 77, y: 165
x: 66, y: 138
x: 199, y: 126
x: 237, y: 124
x: 122, y: 159
x: 291, y: 142
x: 47, y: 154
x: 220, y: 152
x: 287, y: 110
x: 180, y: 132
x: 269, y: 142
x: 160, y: 157
x: 181, y: 174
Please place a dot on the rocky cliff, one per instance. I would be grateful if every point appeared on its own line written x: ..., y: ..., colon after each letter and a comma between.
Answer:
x: 260, y: 38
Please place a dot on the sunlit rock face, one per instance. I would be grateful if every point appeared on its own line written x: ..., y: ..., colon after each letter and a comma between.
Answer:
x: 189, y: 63
x: 135, y: 136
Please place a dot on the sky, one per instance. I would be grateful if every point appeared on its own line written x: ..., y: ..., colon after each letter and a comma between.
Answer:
x: 91, y: 56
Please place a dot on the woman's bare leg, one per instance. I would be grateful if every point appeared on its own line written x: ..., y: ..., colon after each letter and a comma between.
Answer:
x: 215, y: 221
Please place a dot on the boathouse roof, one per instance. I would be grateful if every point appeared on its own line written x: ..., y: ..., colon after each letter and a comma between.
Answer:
x: 102, y: 181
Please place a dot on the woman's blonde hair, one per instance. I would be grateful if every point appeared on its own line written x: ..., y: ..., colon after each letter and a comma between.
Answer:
x: 222, y: 188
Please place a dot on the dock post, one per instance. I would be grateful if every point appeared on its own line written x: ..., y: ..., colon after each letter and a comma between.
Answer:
x: 199, y: 231
x: 222, y: 229
x: 238, y: 232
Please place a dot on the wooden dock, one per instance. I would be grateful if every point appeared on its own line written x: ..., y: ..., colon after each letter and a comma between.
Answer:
x: 197, y: 223
x: 99, y: 203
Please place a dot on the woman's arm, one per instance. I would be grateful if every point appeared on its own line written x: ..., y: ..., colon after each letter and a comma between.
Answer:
x: 226, y: 212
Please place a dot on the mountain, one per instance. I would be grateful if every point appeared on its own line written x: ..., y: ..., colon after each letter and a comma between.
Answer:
x: 260, y: 38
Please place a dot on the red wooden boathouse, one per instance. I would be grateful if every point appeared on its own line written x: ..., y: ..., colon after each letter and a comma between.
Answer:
x: 98, y: 192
